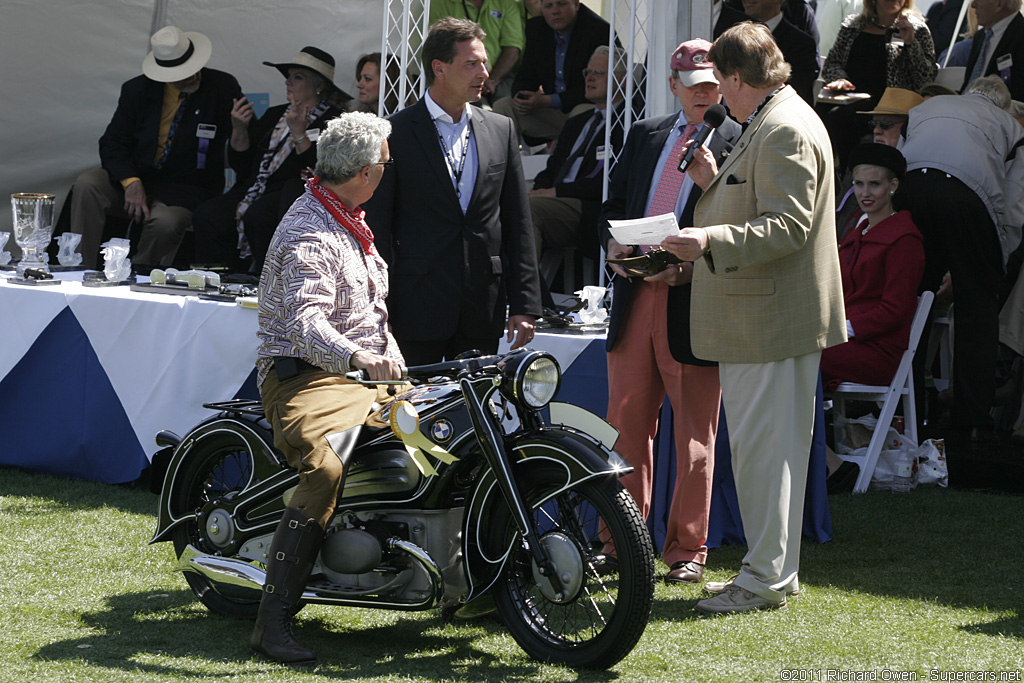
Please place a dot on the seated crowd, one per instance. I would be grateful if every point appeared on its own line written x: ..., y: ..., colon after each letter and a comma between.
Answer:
x: 547, y: 65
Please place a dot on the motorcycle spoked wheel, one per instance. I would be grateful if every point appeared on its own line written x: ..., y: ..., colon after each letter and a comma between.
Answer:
x: 604, y: 617
x: 224, y: 464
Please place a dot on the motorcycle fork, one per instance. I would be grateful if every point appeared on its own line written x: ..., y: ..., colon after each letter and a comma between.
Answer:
x: 492, y: 444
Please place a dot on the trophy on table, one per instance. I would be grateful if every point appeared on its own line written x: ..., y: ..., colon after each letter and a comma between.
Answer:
x: 5, y: 256
x: 594, y: 314
x: 116, y: 265
x: 68, y: 255
x: 33, y: 229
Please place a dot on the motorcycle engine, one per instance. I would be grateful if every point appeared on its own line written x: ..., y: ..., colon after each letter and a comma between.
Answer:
x: 351, y: 551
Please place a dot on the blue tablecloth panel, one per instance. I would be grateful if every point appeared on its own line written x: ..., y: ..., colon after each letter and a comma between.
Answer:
x: 60, y: 411
x: 585, y: 383
x: 56, y: 400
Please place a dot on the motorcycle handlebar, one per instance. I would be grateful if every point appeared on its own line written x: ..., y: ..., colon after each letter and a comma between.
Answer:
x: 425, y: 372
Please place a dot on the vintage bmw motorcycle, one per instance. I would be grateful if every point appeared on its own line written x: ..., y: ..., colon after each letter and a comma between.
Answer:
x: 472, y: 492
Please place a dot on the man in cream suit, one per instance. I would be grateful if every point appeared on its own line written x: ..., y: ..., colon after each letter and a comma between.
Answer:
x: 767, y: 298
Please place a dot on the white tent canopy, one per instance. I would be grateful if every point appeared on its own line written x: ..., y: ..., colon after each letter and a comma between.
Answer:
x: 66, y: 62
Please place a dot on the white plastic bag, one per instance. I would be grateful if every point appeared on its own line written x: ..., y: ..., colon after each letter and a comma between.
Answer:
x: 853, y: 437
x: 931, y: 463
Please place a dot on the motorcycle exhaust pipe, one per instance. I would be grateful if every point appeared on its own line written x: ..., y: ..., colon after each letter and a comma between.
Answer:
x: 228, y: 575
x: 240, y: 579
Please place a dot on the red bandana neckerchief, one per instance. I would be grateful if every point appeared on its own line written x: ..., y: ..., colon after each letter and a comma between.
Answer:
x: 350, y: 220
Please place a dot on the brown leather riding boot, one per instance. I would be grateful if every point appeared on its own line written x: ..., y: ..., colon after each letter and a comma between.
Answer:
x: 292, y: 555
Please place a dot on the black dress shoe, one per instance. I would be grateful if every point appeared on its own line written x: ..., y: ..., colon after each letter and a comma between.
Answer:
x: 685, y: 572
x: 843, y: 479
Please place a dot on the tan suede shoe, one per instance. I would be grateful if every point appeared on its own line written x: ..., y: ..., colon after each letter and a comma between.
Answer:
x: 734, y: 600
x: 716, y: 587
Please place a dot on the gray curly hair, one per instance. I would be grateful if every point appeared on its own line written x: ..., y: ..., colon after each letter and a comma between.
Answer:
x: 349, y: 143
x: 993, y: 88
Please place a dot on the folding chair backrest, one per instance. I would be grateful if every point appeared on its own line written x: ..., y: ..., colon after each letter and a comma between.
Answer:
x: 901, y: 389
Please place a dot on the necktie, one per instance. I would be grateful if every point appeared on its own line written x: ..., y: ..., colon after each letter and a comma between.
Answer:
x: 667, y: 193
x: 981, y: 63
x: 594, y: 125
x: 174, y: 127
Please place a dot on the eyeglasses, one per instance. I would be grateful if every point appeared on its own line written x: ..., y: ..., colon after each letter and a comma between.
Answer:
x: 386, y: 164
x: 593, y: 72
x: 884, y: 125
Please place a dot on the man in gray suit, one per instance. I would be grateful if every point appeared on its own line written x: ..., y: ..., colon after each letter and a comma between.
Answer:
x: 453, y: 219
x: 767, y: 298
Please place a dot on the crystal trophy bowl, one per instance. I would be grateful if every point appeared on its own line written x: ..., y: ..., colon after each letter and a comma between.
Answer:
x: 33, y: 228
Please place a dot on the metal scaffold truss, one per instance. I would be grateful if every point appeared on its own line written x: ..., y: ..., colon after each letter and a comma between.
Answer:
x: 405, y: 27
x: 630, y: 34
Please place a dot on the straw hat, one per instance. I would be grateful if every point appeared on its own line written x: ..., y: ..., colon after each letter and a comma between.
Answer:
x: 176, y: 55
x: 312, y: 59
x: 896, y: 102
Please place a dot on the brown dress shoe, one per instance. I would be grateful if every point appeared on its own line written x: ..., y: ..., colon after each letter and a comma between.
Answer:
x: 685, y: 572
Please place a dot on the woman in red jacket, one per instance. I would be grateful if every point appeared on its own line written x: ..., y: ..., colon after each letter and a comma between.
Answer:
x: 882, y: 261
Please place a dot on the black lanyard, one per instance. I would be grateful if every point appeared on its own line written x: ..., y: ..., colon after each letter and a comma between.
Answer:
x: 449, y: 155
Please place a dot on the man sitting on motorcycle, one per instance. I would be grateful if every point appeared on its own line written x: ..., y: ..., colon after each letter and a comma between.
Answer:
x: 321, y: 314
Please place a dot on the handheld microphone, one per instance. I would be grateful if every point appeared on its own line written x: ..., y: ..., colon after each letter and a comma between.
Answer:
x: 713, y: 118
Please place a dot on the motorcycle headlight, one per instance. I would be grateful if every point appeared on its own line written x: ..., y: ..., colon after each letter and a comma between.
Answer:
x: 532, y: 378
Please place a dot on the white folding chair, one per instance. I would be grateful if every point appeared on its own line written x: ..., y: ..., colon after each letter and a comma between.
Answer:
x: 901, y: 389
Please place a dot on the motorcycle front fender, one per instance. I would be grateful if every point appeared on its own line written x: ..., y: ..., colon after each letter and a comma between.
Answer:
x: 212, y: 433
x: 558, y: 454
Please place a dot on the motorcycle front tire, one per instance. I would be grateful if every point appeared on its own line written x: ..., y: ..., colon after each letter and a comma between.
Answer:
x: 602, y: 620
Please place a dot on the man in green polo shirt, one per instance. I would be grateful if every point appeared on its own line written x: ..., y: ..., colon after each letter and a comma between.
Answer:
x: 502, y: 21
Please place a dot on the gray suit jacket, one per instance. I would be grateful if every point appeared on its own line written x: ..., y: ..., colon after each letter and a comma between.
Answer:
x: 769, y: 288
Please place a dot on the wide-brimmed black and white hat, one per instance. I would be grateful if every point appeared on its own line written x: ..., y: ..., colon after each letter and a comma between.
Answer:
x: 176, y: 55
x: 313, y: 59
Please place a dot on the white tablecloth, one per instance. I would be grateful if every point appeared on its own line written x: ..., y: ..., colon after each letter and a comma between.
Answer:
x: 83, y: 368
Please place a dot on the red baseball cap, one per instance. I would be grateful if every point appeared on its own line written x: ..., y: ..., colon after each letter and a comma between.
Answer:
x: 690, y: 59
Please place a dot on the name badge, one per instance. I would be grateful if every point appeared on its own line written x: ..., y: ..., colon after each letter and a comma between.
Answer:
x: 602, y: 152
x: 1004, y: 62
x: 207, y: 131
x: 313, y: 134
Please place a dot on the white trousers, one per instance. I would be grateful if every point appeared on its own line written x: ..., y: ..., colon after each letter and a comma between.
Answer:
x: 769, y: 408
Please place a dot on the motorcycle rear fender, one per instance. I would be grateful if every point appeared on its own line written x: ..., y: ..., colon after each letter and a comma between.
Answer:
x: 258, y: 439
x: 553, y: 452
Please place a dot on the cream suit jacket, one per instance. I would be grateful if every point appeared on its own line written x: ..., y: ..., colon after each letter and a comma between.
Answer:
x: 769, y: 287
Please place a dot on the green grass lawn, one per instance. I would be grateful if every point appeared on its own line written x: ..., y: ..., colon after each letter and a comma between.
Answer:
x: 926, y: 583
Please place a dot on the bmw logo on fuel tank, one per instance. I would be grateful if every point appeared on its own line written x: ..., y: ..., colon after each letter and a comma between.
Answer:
x: 442, y: 430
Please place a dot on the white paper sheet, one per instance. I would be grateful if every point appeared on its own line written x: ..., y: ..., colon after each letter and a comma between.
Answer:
x: 650, y: 230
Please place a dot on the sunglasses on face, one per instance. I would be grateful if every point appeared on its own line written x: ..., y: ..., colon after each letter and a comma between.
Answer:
x: 884, y: 125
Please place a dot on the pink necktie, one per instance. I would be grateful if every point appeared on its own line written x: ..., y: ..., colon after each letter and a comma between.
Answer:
x: 667, y: 194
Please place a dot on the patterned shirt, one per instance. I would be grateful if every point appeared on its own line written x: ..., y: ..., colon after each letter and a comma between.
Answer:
x: 321, y: 297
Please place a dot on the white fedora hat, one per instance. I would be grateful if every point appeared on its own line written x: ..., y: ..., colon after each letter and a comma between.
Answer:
x: 176, y: 55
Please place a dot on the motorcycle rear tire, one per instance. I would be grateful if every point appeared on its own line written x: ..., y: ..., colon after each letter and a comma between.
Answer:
x: 220, y: 464
x: 609, y: 613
